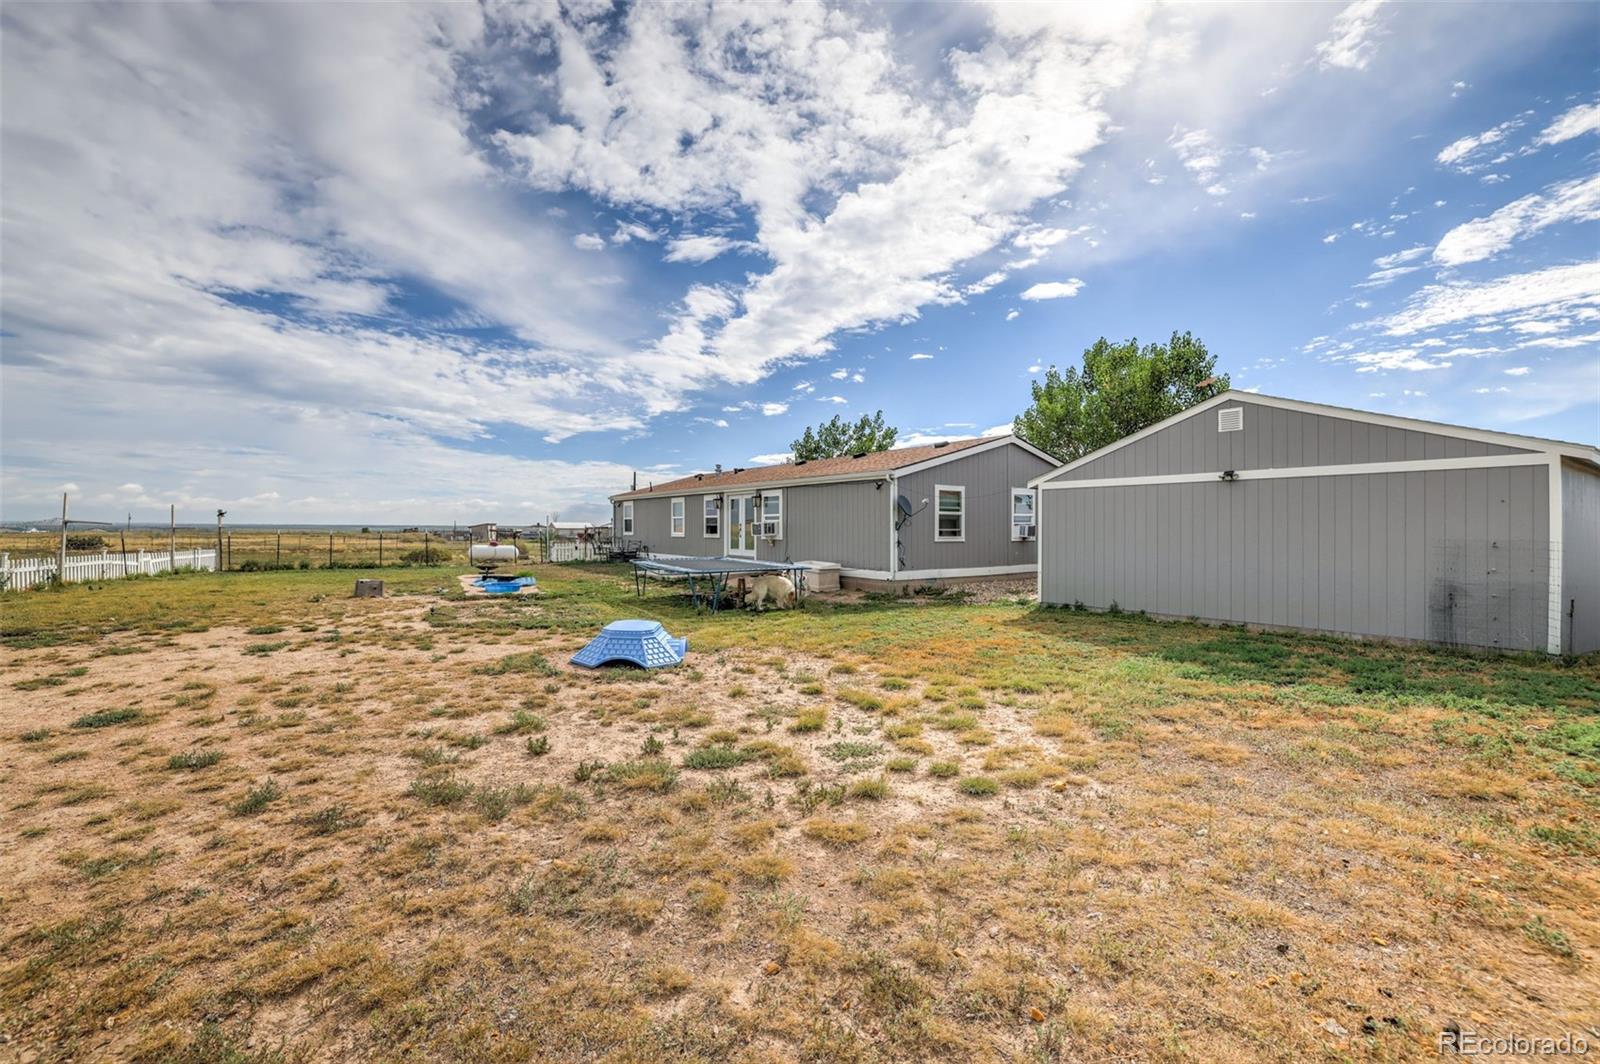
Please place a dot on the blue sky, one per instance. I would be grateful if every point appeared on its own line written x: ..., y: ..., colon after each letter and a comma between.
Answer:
x: 377, y: 264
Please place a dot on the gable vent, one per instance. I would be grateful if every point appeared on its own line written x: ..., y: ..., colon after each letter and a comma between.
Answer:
x: 1231, y: 419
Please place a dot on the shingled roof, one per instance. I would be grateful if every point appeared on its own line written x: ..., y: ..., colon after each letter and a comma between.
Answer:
x: 865, y: 465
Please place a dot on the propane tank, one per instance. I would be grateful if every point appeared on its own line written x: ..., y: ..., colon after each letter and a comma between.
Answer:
x: 488, y: 555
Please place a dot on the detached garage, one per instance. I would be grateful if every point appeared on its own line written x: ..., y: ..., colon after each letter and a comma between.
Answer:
x: 1257, y: 510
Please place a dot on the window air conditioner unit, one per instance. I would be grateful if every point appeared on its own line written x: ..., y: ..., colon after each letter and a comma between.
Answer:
x: 1021, y: 531
x: 769, y: 528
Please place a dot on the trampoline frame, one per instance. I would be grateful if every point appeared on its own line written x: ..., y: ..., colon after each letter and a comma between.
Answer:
x: 716, y: 571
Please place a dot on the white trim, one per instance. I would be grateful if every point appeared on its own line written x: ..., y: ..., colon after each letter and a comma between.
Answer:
x: 1504, y: 439
x: 680, y: 519
x: 1234, y: 423
x: 714, y: 515
x: 1553, y: 632
x: 960, y: 489
x: 627, y: 517
x: 994, y: 443
x: 761, y: 515
x: 1420, y: 465
x: 939, y: 574
x: 745, y: 499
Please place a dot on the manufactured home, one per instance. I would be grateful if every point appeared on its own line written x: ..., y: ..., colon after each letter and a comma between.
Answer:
x: 937, y: 513
x: 1273, y: 512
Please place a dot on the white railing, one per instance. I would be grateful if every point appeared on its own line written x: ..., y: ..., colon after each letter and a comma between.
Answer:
x: 21, y: 573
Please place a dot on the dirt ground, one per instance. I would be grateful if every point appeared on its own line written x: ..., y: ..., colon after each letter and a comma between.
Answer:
x: 329, y: 829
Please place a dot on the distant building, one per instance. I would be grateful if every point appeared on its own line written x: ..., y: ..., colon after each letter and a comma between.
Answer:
x: 483, y: 532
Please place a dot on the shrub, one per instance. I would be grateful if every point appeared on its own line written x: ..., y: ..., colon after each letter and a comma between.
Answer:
x: 427, y: 556
x: 538, y: 745
x: 86, y: 542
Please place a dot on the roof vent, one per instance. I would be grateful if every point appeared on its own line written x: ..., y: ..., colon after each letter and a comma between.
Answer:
x: 942, y: 443
x: 859, y: 454
x: 738, y: 469
x: 699, y: 476
x: 801, y: 461
x: 1231, y: 419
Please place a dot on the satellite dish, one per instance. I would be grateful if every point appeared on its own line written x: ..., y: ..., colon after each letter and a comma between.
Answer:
x: 903, y: 504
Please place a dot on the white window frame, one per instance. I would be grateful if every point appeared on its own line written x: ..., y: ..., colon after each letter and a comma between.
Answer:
x: 762, y: 524
x: 1032, y: 517
x: 627, y: 519
x: 961, y: 491
x: 678, y: 514
x: 711, y: 517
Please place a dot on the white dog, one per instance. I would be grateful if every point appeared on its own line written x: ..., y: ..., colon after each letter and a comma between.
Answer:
x: 779, y: 590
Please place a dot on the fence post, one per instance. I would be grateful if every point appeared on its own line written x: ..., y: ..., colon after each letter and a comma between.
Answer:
x: 380, y: 550
x: 330, y: 550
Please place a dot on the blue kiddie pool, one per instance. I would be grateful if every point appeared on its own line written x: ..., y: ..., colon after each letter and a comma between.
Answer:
x: 503, y: 585
x: 642, y: 643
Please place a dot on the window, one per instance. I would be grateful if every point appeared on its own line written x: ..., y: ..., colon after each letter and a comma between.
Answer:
x: 771, y: 513
x: 677, y: 517
x: 713, y: 519
x: 1231, y: 419
x: 627, y: 519
x: 950, y: 514
x: 1023, y: 525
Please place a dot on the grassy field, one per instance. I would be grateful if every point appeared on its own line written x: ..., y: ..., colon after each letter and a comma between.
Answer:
x: 249, y: 818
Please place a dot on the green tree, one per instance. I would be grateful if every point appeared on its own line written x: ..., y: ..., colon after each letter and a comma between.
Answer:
x: 837, y: 437
x: 1121, y: 389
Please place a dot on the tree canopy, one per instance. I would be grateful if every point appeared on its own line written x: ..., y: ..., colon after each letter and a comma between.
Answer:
x: 1121, y: 389
x: 837, y: 437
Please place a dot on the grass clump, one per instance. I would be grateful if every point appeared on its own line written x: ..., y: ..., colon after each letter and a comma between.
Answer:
x: 332, y: 820
x: 809, y: 720
x: 873, y: 789
x: 439, y: 790
x: 944, y: 769
x: 649, y: 774
x: 715, y: 757
x: 978, y: 786
x: 194, y: 759
x: 527, y: 661
x: 538, y: 745
x: 835, y: 832
x: 256, y: 799
x: 107, y: 718
x: 522, y: 721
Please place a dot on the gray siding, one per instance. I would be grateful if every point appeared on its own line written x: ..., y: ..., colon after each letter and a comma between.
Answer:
x: 652, y: 526
x: 988, y: 478
x: 845, y: 523
x: 1274, y: 438
x: 1580, y: 560
x: 1454, y: 556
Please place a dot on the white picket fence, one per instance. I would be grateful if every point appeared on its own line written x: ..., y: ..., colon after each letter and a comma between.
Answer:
x: 566, y: 550
x: 22, y: 573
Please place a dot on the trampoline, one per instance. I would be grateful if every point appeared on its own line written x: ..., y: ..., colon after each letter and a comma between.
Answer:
x: 708, y: 577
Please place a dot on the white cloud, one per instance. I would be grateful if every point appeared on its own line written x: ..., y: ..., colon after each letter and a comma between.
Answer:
x: 1461, y: 154
x: 1351, y: 44
x: 1247, y: 215
x: 1054, y: 289
x: 774, y: 409
x: 839, y: 374
x: 920, y: 356
x: 588, y: 242
x: 1482, y: 238
x: 997, y: 430
x: 1013, y: 315
x: 1517, y: 371
x: 1585, y: 118
x: 1559, y: 289
x: 701, y: 248
x: 629, y: 231
x: 1400, y: 258
x: 832, y: 399
x: 778, y: 458
x: 1330, y: 238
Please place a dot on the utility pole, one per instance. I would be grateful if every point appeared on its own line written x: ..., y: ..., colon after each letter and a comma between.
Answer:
x: 220, y: 515
x: 61, y: 563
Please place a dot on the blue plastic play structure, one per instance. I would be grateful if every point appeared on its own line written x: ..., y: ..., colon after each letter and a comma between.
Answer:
x: 643, y: 643
x: 504, y: 585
